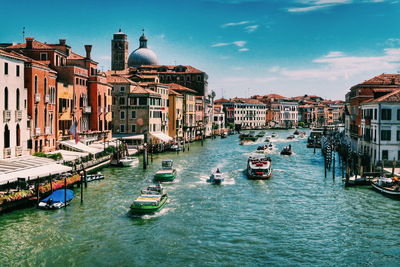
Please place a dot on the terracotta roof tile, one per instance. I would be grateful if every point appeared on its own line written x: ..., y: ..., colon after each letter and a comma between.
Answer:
x: 118, y: 79
x: 178, y: 87
x: 393, y: 97
x: 35, y: 45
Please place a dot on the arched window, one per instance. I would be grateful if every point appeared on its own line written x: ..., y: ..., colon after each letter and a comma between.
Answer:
x: 36, y: 84
x: 6, y: 98
x: 18, y: 135
x: 18, y: 100
x: 45, y: 86
x: 36, y: 118
x: 6, y: 137
x: 45, y: 117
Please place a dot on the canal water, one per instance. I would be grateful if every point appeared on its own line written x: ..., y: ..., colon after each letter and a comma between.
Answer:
x: 297, y: 218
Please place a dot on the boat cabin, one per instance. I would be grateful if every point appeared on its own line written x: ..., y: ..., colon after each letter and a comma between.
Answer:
x: 167, y: 164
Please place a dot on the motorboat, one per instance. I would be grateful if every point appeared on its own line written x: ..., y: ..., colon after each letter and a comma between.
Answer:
x: 216, y: 177
x: 261, y: 134
x: 259, y: 168
x: 166, y: 173
x: 291, y: 137
x: 287, y: 150
x: 387, y: 186
x: 224, y: 135
x: 175, y: 147
x: 263, y: 149
x: 128, y: 161
x: 314, y: 139
x: 58, y: 199
x: 273, y: 135
x: 296, y: 132
x: 151, y: 200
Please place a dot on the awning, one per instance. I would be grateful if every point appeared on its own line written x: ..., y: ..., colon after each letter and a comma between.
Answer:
x: 134, y: 137
x: 35, y: 172
x: 162, y: 136
x: 80, y: 147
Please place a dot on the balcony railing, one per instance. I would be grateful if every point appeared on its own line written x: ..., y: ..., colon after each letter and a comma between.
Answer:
x: 7, y: 115
x: 18, y: 115
x: 87, y: 109
x: 7, y: 153
x: 47, y: 98
x: 18, y: 151
x: 37, y: 131
x: 37, y: 98
x: 47, y: 130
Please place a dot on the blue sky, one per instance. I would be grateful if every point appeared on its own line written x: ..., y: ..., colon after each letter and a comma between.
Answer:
x: 247, y: 47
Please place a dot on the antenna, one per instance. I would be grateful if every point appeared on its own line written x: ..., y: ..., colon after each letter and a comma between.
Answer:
x: 23, y: 34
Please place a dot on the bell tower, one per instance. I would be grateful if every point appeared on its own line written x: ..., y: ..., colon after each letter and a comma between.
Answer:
x: 119, y: 51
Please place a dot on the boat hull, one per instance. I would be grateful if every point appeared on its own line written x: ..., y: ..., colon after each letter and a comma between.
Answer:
x: 149, y: 209
x: 165, y: 177
x: 385, y: 191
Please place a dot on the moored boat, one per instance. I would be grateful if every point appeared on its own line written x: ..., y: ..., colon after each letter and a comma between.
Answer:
x: 167, y: 173
x: 273, y: 135
x: 94, y: 177
x: 290, y: 137
x: 216, y: 177
x: 151, y: 200
x: 259, y: 168
x: 224, y: 135
x: 387, y: 186
x: 58, y: 199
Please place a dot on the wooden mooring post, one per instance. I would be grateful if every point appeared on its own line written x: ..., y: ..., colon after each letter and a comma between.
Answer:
x: 333, y: 166
x: 65, y: 192
x: 81, y: 184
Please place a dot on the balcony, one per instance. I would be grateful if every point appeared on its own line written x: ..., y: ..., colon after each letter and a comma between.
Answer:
x: 37, y: 98
x: 18, y: 115
x: 100, y: 110
x: 6, y: 115
x: 37, y: 132
x: 106, y: 110
x: 46, y: 98
x: 47, y: 130
x: 18, y: 151
x: 87, y: 109
x: 7, y: 153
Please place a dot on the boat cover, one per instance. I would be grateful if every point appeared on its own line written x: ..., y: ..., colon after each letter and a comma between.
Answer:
x: 58, y: 196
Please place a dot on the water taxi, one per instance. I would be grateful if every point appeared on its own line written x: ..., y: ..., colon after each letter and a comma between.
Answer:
x: 150, y: 200
x: 287, y: 150
x: 167, y: 173
x: 259, y: 168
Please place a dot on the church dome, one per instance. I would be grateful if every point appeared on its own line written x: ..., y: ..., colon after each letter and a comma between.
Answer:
x: 142, y: 55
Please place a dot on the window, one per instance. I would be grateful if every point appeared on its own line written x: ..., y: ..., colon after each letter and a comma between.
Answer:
x: 122, y: 89
x: 17, y: 96
x: 122, y: 100
x: 122, y: 115
x: 133, y: 115
x: 398, y: 135
x: 43, y: 56
x: 385, y: 154
x: 375, y: 113
x: 6, y: 98
x: 122, y: 128
x: 386, y: 114
x: 17, y: 71
x: 385, y: 135
x: 133, y: 128
x: 398, y: 114
x: 5, y: 68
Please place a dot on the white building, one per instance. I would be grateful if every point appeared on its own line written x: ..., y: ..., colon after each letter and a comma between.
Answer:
x: 13, y: 109
x: 289, y: 113
x: 245, y: 113
x: 380, y: 124
x: 219, y: 118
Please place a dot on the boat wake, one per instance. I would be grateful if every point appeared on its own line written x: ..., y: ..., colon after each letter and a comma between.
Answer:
x: 155, y: 215
x: 279, y: 170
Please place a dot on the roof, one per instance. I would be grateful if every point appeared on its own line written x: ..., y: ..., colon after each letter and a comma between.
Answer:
x: 393, y: 97
x: 172, y: 92
x: 222, y: 100
x: 178, y: 87
x: 170, y: 68
x: 141, y: 90
x: 118, y: 79
x: 73, y: 55
x: 384, y: 79
x: 12, y: 55
x: 247, y: 101
x: 35, y: 45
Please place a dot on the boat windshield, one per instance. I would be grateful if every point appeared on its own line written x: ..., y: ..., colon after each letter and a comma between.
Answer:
x: 167, y: 164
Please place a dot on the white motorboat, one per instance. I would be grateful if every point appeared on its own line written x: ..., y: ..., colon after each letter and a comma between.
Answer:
x: 128, y: 161
x: 216, y: 177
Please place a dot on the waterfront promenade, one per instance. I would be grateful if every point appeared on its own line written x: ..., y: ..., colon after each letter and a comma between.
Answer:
x: 296, y: 218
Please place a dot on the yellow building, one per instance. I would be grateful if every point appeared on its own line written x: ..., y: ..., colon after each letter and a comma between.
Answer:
x: 65, y: 95
x: 175, y: 113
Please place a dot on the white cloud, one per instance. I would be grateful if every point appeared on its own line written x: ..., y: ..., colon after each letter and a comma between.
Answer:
x: 220, y: 44
x: 312, y: 5
x: 393, y: 42
x: 335, y: 54
x: 275, y: 69
x: 230, y: 24
x: 243, y: 49
x: 239, y: 43
x: 251, y: 28
x: 345, y: 67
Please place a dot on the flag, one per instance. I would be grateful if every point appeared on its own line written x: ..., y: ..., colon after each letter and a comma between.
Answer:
x: 74, y: 131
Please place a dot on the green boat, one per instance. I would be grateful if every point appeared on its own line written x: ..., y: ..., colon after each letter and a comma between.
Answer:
x: 150, y: 201
x: 167, y: 173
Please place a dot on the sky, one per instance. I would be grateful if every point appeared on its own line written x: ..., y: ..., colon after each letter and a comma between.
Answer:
x: 247, y: 47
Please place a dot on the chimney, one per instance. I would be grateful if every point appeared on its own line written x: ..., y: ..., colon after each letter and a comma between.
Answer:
x: 88, y: 49
x: 29, y: 41
x: 62, y: 41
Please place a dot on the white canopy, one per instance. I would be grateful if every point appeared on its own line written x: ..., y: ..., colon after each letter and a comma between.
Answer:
x: 134, y: 137
x: 162, y: 136
x: 35, y: 172
x: 70, y: 155
x: 80, y: 147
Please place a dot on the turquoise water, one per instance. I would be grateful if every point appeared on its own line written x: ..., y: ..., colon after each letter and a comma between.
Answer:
x: 298, y: 218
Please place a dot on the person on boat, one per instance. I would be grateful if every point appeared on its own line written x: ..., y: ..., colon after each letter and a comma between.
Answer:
x: 290, y: 147
x: 49, y: 201
x: 218, y: 170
